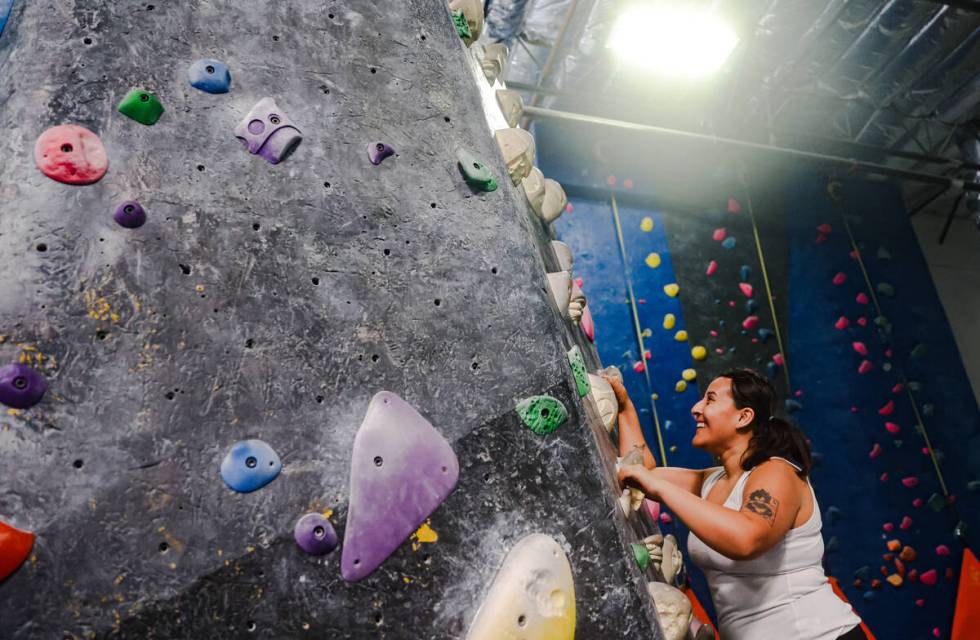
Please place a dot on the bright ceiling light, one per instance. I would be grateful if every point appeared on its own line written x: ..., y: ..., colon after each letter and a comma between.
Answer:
x: 672, y: 40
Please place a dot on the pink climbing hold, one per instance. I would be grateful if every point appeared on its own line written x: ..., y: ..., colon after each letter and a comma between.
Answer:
x: 798, y: 393
x: 910, y: 481
x: 854, y: 409
x: 734, y: 206
x: 611, y: 181
x: 718, y: 235
x: 860, y: 348
x: 906, y: 523
x: 888, y: 526
x: 928, y: 577
x: 746, y: 289
x: 841, y: 323
x: 712, y: 268
x: 839, y: 279
x: 917, y: 503
x: 820, y: 239
x: 719, y: 350
x: 936, y: 633
x: 862, y: 321
x: 587, y: 324
x: 888, y: 409
x: 884, y: 478
x: 865, y: 367
x: 665, y: 517
x: 778, y: 359
x: 646, y: 355
x: 920, y: 602
x: 71, y: 154
x: 862, y: 298
x: 888, y: 353
x: 579, y: 282
x: 854, y: 255
x: 875, y: 451
x: 925, y: 451
x: 713, y: 333
x: 639, y: 367
x: 568, y: 207
x: 750, y: 323
x: 731, y: 303
x: 825, y: 228
x: 898, y: 388
x: 628, y: 183
x: 942, y: 550
x: 652, y: 508
x: 893, y: 428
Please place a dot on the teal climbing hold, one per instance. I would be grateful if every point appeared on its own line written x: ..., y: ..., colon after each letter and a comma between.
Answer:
x: 920, y: 350
x: 542, y: 414
x: 729, y: 242
x: 744, y: 273
x: 765, y: 334
x: 928, y: 409
x: 142, y: 106
x: 577, y: 362
x: 936, y: 502
x: 751, y: 306
x: 462, y: 28
x: 476, y: 174
x: 886, y: 289
x: 883, y: 323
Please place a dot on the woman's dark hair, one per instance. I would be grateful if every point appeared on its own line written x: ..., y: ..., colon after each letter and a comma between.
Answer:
x: 771, y: 436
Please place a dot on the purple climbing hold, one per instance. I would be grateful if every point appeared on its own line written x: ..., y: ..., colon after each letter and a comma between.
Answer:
x: 401, y: 471
x: 315, y: 535
x: 378, y: 151
x: 20, y: 386
x: 265, y: 131
x: 130, y: 214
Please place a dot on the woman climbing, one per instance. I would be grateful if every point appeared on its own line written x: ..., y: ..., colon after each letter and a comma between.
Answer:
x: 754, y: 520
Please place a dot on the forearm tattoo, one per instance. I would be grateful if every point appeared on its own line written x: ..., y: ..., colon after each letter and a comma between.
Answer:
x: 762, y: 503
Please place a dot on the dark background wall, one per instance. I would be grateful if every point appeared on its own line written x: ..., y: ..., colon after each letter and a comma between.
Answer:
x: 685, y: 189
x: 165, y: 345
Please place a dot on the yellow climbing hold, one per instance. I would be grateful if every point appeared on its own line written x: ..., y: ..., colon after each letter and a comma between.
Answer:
x: 647, y: 224
x: 699, y: 353
x: 425, y: 533
x: 653, y: 260
x: 689, y: 374
x: 656, y: 396
x: 680, y: 387
x: 669, y: 321
x: 672, y: 289
x: 681, y: 336
x: 673, y: 448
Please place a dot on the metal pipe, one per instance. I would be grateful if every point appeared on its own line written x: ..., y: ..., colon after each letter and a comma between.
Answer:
x: 553, y: 53
x: 949, y: 217
x: 929, y: 200
x: 784, y: 152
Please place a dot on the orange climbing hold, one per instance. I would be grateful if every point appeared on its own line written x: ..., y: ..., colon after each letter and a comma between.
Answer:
x: 894, y: 545
x: 894, y: 580
x: 908, y: 554
x: 15, y: 546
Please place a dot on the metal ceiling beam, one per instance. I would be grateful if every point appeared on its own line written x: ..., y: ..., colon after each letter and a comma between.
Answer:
x: 784, y: 153
x: 966, y: 5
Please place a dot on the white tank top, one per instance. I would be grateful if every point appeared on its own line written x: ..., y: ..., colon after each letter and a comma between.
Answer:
x: 781, y: 594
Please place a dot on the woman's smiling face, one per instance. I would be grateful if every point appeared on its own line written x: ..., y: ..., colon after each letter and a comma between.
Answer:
x: 717, y: 418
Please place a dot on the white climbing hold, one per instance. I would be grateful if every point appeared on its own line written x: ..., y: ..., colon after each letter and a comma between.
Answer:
x: 673, y: 609
x: 560, y: 287
x: 576, y: 305
x: 533, y: 595
x: 554, y: 201
x: 494, y: 61
x: 533, y: 186
x: 564, y: 254
x: 517, y: 147
x: 604, y: 400
x: 672, y: 560
x: 511, y: 105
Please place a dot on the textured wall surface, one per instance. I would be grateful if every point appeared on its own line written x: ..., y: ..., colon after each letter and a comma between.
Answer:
x: 272, y: 302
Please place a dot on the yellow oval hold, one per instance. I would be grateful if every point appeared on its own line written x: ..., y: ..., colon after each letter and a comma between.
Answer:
x: 681, y: 336
x: 672, y: 289
x: 680, y: 387
x: 669, y: 321
x: 647, y: 224
x: 653, y: 260
x: 689, y: 374
x: 699, y: 353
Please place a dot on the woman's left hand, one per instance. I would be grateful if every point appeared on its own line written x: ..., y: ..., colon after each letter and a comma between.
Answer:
x: 639, y: 477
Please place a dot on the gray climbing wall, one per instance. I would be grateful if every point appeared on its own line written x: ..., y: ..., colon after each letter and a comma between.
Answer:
x: 272, y: 302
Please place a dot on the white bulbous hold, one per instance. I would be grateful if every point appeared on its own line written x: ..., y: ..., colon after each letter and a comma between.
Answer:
x: 560, y: 287
x: 673, y: 609
x: 494, y: 61
x: 511, y: 105
x: 576, y: 305
x: 473, y: 12
x: 672, y: 559
x: 533, y: 186
x: 555, y: 201
x: 517, y: 146
x: 564, y: 254
x: 612, y: 372
x: 604, y: 399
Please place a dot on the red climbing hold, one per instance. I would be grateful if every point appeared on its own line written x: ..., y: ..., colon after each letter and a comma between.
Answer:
x: 639, y: 367
x: 778, y: 359
x: 825, y: 228
x: 888, y: 526
x: 942, y: 550
x: 862, y: 321
x: 920, y: 602
x: 839, y: 279
x: 734, y: 206
x: 568, y: 207
x: 854, y: 409
x: 906, y: 523
x: 15, y: 546
x: 628, y: 183
x: 875, y: 451
x: 860, y: 348
x: 587, y: 324
x: 898, y: 388
x: 750, y: 323
x: 928, y: 577
x: 865, y: 367
x: 884, y: 477
x: 71, y: 154
x: 718, y: 235
x: 892, y: 427
x: 841, y: 323
x: 888, y: 409
x: 910, y: 481
x: 820, y: 239
x: 712, y: 268
x: 665, y: 517
x: 746, y: 289
x: 611, y: 181
x: 731, y: 303
x: 862, y: 298
x: 917, y: 503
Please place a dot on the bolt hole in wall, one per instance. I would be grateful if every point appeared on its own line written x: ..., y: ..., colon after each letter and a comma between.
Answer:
x: 41, y: 247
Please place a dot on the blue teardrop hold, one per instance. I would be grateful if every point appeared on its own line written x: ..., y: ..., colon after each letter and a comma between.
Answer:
x: 210, y: 76
x: 250, y: 465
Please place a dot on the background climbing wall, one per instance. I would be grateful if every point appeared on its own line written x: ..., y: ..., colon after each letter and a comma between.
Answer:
x: 272, y: 302
x: 865, y: 500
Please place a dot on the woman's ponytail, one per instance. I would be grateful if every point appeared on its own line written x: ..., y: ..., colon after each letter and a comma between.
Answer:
x: 771, y: 436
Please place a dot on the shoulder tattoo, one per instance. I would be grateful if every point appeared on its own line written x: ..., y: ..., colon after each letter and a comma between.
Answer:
x: 762, y: 503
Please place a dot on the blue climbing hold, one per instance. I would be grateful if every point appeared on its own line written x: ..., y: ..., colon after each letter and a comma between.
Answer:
x: 744, y: 273
x: 862, y: 573
x: 928, y: 409
x: 668, y: 425
x: 832, y: 545
x: 772, y: 369
x: 250, y: 465
x: 868, y: 595
x: 833, y: 514
x: 751, y: 305
x: 764, y: 334
x: 210, y: 76
x: 792, y: 405
x: 729, y: 242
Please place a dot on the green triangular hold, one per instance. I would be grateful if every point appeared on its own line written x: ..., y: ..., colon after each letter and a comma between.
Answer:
x: 883, y: 254
x: 920, y: 350
x: 476, y: 174
x: 462, y: 28
x: 142, y: 106
x: 542, y: 414
x: 936, y: 502
x: 577, y: 362
x: 642, y: 555
x: 886, y: 289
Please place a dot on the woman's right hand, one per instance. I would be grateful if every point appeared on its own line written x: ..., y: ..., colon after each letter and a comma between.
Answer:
x: 622, y: 397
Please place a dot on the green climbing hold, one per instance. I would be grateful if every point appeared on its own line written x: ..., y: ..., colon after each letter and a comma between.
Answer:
x: 142, y: 106
x: 973, y: 485
x: 642, y: 555
x: 542, y: 414
x: 883, y: 254
x: 884, y: 324
x: 462, y: 29
x: 577, y: 362
x: 936, y: 502
x: 920, y: 350
x: 886, y: 289
x: 914, y: 385
x: 476, y: 174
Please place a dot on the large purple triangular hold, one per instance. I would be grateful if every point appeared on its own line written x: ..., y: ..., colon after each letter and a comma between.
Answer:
x: 401, y: 471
